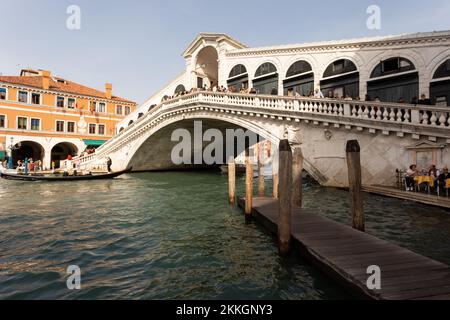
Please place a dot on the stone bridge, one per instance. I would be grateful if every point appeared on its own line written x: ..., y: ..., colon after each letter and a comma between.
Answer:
x: 392, y: 136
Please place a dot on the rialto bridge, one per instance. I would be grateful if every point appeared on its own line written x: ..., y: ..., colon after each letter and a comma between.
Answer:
x: 392, y: 136
x: 353, y: 72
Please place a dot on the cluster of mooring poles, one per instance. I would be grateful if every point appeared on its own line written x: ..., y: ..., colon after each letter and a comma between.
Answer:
x: 287, y: 186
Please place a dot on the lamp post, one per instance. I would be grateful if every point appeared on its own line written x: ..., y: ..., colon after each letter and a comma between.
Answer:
x: 11, y: 148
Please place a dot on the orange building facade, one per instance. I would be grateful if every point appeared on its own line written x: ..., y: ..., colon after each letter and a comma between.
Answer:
x: 48, y: 118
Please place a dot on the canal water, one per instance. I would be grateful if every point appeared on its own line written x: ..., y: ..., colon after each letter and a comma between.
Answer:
x: 173, y: 236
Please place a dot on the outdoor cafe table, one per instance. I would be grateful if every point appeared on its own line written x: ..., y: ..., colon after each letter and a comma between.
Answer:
x: 447, y: 184
x: 425, y: 179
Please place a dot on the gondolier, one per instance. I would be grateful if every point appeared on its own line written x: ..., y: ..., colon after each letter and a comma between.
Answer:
x: 109, y: 164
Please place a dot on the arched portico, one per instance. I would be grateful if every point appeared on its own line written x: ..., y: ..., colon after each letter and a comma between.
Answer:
x: 207, y: 67
x: 27, y: 150
x: 61, y: 151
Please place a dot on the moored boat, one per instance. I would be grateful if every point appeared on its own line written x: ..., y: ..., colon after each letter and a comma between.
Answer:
x: 20, y: 177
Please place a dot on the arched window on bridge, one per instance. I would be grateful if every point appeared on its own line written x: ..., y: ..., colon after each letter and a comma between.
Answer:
x: 121, y: 129
x: 130, y: 123
x: 394, y: 80
x: 266, y: 79
x: 151, y: 107
x: 299, y: 79
x: 140, y: 115
x: 340, y: 79
x: 238, y: 78
x: 180, y: 89
x: 440, y: 85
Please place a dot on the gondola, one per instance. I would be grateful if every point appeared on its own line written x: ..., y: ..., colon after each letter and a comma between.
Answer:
x: 19, y: 177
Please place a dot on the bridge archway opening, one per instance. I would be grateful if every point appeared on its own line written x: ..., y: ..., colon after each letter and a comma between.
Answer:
x: 155, y: 153
x: 207, y: 67
x: 266, y: 79
x: 299, y: 79
x: 394, y: 80
x: 61, y: 151
x: 440, y: 85
x: 238, y: 78
x: 27, y: 150
x: 340, y: 79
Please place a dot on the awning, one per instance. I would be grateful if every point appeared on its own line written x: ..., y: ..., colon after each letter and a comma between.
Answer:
x: 94, y: 143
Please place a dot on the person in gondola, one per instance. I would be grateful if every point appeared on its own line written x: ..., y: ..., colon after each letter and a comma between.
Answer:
x: 109, y: 164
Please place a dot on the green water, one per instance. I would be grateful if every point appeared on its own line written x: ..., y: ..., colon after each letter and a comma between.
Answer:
x: 173, y: 236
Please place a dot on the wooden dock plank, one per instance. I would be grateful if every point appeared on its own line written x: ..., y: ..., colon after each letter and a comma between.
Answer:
x: 424, y: 198
x: 345, y: 254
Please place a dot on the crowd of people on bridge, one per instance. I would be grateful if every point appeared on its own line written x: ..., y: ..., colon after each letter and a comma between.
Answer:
x: 314, y: 94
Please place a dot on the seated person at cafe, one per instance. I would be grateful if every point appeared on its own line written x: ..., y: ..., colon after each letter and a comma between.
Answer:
x: 443, y: 177
x: 409, y: 177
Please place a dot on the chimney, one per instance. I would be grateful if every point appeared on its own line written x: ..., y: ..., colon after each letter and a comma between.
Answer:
x: 108, y: 90
x: 45, y: 79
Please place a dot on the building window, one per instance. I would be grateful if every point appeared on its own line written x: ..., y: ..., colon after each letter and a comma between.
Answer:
x: 127, y: 110
x: 71, y: 103
x: 35, y: 124
x: 59, y: 126
x: 101, y: 107
x: 71, y: 127
x: 92, y: 128
x: 2, y: 94
x: 35, y: 98
x: 60, y: 102
x: 2, y: 121
x: 23, y: 97
x: 93, y: 106
x: 22, y: 123
x: 101, y: 129
x: 119, y: 110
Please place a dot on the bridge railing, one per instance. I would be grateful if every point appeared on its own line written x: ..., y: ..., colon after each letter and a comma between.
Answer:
x: 357, y: 112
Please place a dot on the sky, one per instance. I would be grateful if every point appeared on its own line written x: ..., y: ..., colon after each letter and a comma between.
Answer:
x: 137, y: 45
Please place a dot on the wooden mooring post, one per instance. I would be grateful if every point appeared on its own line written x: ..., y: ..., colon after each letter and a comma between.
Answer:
x: 353, y: 151
x: 248, y: 187
x: 232, y: 181
x: 297, y: 171
x: 275, y: 176
x: 261, y: 182
x: 285, y: 198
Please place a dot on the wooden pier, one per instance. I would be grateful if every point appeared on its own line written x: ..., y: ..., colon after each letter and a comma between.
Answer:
x: 428, y: 199
x: 345, y: 254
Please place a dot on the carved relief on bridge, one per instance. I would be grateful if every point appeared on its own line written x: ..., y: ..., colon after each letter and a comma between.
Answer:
x: 426, y: 153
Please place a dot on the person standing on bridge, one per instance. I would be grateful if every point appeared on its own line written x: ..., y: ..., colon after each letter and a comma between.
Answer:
x: 318, y: 94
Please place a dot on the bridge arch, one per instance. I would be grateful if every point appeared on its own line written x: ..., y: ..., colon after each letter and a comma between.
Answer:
x: 299, y: 79
x: 179, y: 89
x: 238, y: 77
x: 341, y: 78
x: 440, y: 84
x: 266, y: 79
x: 395, y: 79
x: 207, y: 66
x: 152, y: 148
